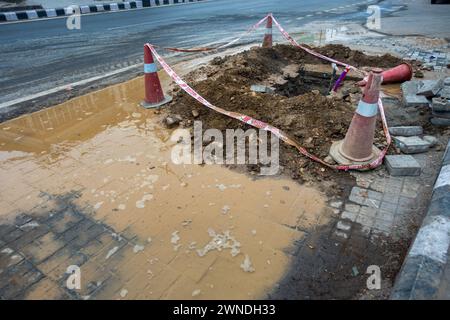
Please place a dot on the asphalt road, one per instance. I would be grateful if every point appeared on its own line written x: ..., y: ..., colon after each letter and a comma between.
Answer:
x: 40, y: 55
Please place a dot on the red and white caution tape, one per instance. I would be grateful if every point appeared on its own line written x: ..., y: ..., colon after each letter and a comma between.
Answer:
x: 265, y: 126
x: 312, y: 52
x: 251, y: 29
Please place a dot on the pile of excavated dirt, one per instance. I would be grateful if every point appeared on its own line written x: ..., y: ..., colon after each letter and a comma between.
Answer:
x: 313, y: 119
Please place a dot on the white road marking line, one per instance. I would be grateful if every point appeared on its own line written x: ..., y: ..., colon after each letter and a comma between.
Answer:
x: 103, y: 12
x: 64, y: 87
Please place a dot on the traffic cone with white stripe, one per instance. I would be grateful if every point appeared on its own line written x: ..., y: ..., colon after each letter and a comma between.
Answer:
x: 154, y: 95
x: 357, y: 146
x: 267, y: 42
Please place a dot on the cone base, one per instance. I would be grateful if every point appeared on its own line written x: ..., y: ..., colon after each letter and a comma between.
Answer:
x: 341, y: 159
x: 148, y: 105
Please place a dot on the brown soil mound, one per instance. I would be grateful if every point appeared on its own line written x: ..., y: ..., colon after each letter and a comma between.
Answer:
x: 313, y: 119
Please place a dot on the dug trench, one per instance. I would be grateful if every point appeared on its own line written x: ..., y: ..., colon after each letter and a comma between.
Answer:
x: 324, y: 266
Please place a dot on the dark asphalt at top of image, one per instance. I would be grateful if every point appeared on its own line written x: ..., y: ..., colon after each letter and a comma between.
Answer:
x: 40, y: 55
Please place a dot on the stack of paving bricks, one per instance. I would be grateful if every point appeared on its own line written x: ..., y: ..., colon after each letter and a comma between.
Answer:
x: 84, y: 9
x: 441, y: 105
x: 426, y: 270
x: 410, y: 140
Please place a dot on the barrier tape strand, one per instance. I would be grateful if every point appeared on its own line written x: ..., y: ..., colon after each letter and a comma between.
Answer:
x: 265, y: 126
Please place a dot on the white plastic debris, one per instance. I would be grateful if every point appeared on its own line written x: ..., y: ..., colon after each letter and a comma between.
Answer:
x: 226, y: 209
x: 137, y: 248
x: 220, y: 241
x: 175, y: 237
x: 111, y: 252
x: 123, y: 293
x: 246, y: 265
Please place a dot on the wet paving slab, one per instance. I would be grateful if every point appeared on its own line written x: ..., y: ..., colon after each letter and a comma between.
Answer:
x: 91, y: 183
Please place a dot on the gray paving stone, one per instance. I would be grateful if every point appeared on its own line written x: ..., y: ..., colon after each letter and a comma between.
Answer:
x: 440, y: 104
x: 410, y: 190
x: 440, y: 122
x: 368, y: 212
x: 410, y: 97
x: 387, y: 216
x: 349, y: 215
x: 402, y: 165
x: 406, y: 131
x: 388, y: 206
x: 410, y: 145
x: 378, y: 185
x: 431, y: 140
x: 343, y: 226
x: 365, y: 221
x: 372, y: 203
x: 429, y: 88
x: 350, y: 207
x: 382, y: 225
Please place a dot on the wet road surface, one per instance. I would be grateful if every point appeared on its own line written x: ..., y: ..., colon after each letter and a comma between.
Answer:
x: 40, y: 55
x: 91, y: 183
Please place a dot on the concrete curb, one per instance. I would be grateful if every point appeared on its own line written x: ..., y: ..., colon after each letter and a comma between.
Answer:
x: 422, y: 270
x: 86, y: 9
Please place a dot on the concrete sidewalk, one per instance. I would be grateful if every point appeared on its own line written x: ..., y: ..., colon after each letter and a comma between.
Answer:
x: 419, y: 17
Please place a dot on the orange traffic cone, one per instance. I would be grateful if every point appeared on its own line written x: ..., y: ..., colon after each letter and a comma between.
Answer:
x: 400, y: 73
x: 357, y: 146
x: 154, y: 96
x: 267, y: 42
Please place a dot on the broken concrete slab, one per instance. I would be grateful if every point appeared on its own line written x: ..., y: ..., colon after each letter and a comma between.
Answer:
x: 429, y: 88
x: 440, y: 104
x: 261, y: 89
x: 410, y: 145
x: 410, y: 97
x: 402, y: 165
x: 406, y: 131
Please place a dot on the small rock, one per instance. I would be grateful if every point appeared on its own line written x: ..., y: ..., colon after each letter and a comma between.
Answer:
x: 196, y: 292
x: 195, y: 113
x: 329, y: 160
x: 173, y: 120
x: 418, y: 74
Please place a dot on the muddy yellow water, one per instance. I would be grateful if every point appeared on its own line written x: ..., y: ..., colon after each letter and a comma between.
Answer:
x: 190, y: 231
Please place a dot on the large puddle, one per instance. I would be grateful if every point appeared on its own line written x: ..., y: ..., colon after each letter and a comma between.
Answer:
x: 192, y: 231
